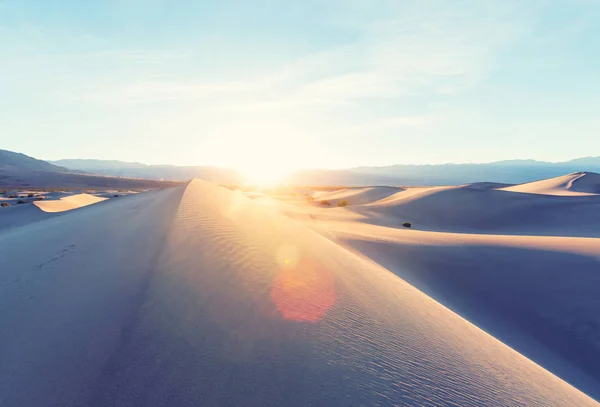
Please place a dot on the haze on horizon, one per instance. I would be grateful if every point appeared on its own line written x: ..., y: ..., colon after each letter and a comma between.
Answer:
x: 300, y: 85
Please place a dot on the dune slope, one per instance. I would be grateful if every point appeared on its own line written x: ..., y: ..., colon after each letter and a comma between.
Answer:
x: 538, y: 294
x: 68, y: 203
x: 468, y: 210
x: 55, y: 204
x: 356, y: 196
x: 197, y: 295
x: 576, y: 184
x: 19, y: 215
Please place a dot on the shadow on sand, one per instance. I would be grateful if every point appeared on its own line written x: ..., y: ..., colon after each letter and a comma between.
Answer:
x: 523, y: 297
x: 473, y: 210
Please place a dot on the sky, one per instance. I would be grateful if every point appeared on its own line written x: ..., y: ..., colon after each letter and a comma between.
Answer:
x: 310, y: 84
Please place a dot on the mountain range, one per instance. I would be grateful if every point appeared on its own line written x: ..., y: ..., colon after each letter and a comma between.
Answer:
x: 17, y: 161
x: 510, y: 171
x: 158, y: 172
x: 21, y: 171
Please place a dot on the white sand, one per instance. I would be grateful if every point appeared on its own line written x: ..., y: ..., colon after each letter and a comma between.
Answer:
x: 68, y: 203
x: 538, y: 294
x: 576, y: 184
x: 535, y: 289
x: 200, y: 296
x: 472, y: 210
x: 355, y: 196
x: 53, y: 204
x: 19, y: 215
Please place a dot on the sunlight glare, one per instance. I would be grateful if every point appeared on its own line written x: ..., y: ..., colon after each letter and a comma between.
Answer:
x: 263, y: 175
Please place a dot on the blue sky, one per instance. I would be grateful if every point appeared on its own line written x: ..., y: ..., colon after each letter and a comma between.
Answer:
x: 335, y: 83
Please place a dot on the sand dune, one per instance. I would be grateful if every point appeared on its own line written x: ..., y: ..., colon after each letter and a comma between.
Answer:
x: 469, y: 210
x: 537, y: 294
x: 198, y: 295
x: 20, y: 215
x: 68, y: 203
x: 487, y: 185
x: 53, y: 204
x: 576, y: 184
x: 111, y: 194
x: 356, y: 196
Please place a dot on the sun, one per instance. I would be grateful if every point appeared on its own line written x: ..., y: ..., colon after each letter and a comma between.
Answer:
x: 264, y: 176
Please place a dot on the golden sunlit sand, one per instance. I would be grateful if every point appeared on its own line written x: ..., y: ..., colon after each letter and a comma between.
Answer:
x: 68, y: 203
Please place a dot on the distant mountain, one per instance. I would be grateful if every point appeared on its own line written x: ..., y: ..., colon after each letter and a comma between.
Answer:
x: 91, y: 165
x: 591, y: 161
x: 18, y: 161
x: 507, y: 172
x: 21, y: 171
x: 159, y: 172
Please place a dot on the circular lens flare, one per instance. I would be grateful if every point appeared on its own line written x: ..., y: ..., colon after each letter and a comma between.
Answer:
x: 303, y: 291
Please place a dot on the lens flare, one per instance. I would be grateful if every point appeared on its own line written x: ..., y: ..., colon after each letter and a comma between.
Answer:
x: 303, y: 291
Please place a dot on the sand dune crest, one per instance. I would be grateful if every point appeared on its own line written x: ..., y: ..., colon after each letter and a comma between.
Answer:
x: 576, y: 184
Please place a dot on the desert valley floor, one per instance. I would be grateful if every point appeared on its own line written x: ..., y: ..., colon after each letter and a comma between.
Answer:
x: 202, y: 295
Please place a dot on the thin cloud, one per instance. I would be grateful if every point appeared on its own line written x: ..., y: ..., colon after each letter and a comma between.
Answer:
x: 399, y: 52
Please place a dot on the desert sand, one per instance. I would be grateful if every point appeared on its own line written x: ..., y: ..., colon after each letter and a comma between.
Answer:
x: 28, y: 206
x: 474, y: 209
x: 358, y: 196
x: 68, y: 203
x: 576, y: 184
x: 199, y: 295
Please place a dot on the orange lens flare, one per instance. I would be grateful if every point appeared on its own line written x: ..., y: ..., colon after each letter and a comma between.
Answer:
x: 304, y: 291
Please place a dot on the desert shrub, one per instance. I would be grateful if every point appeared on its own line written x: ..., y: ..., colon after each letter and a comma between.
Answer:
x: 39, y: 198
x: 4, y: 204
x: 115, y: 196
x: 13, y: 196
x: 407, y: 224
x: 20, y: 201
x: 30, y: 195
x: 342, y: 203
x: 325, y: 202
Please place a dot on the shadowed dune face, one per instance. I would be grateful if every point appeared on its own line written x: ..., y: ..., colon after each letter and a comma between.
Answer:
x: 356, y: 196
x: 468, y: 210
x: 184, y: 297
x: 20, y: 215
x: 50, y: 205
x: 510, y: 266
x: 550, y: 207
x: 526, y: 297
x: 487, y: 185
